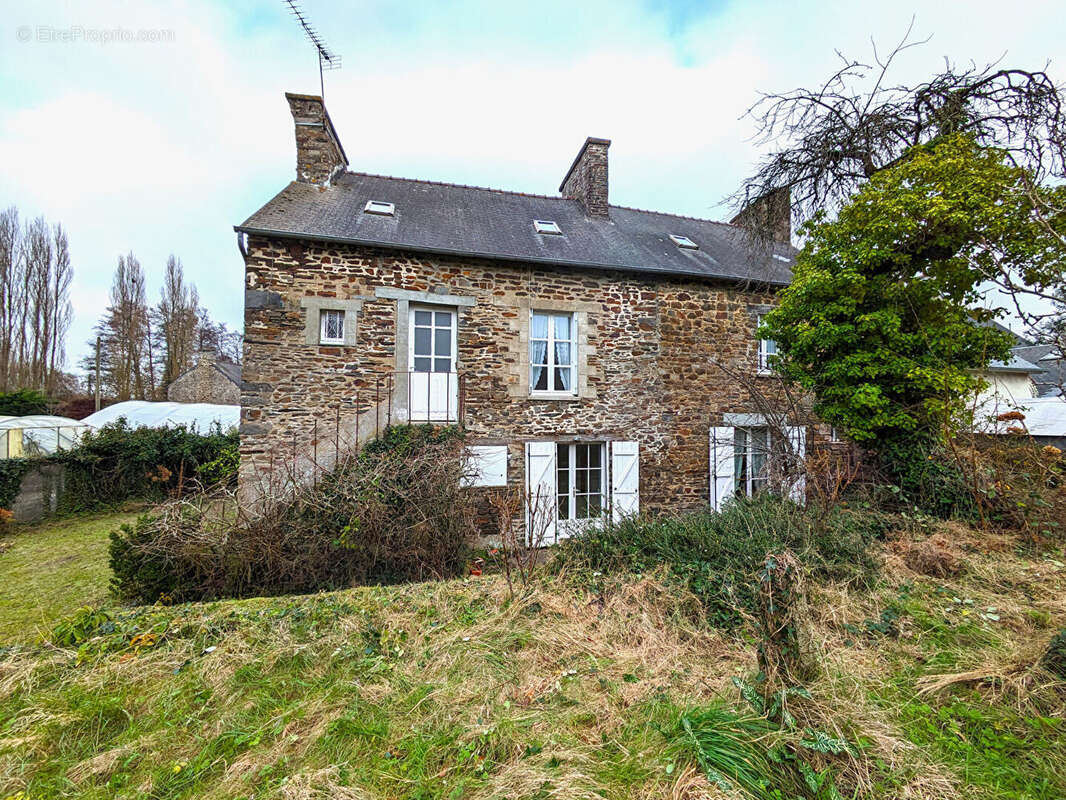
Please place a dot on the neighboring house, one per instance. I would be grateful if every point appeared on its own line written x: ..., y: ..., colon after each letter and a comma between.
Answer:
x: 211, y: 380
x: 1008, y: 383
x: 1052, y: 376
x: 577, y: 341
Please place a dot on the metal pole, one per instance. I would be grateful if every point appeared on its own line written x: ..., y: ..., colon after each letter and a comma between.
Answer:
x: 97, y: 387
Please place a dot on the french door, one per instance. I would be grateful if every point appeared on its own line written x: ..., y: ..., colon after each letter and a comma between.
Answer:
x: 434, y: 384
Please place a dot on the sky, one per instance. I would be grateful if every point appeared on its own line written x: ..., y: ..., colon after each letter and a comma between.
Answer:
x: 155, y: 127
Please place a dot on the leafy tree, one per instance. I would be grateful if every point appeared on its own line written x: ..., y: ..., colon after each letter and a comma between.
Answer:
x: 880, y: 321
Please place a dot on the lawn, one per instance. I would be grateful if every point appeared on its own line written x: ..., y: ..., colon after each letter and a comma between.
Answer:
x: 51, y: 569
x: 456, y: 689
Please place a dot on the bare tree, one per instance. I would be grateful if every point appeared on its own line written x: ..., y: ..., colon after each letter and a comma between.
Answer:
x: 177, y: 320
x: 35, y: 278
x: 124, y: 333
x: 830, y: 139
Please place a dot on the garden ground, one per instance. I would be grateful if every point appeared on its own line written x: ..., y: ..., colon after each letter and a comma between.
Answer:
x: 574, y: 689
x: 49, y: 570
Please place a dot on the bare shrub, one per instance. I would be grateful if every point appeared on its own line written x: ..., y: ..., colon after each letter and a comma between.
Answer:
x: 521, y: 542
x: 396, y: 512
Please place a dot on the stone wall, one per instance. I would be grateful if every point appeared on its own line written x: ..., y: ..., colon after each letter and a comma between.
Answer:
x: 204, y: 384
x: 40, y: 492
x: 648, y: 353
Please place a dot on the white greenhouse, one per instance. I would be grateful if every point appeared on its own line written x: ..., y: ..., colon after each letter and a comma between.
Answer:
x: 201, y: 417
x: 38, y: 435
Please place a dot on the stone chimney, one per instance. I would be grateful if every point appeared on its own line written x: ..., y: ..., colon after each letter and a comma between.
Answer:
x: 319, y: 155
x: 586, y: 180
x: 205, y: 357
x: 771, y: 213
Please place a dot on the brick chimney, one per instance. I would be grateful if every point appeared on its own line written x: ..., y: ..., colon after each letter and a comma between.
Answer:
x: 586, y: 181
x: 319, y: 155
x: 205, y: 357
x: 770, y: 213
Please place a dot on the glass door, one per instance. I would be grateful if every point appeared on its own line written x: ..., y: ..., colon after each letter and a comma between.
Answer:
x: 434, y: 385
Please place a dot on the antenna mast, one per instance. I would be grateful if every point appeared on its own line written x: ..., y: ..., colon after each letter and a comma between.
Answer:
x: 327, y: 59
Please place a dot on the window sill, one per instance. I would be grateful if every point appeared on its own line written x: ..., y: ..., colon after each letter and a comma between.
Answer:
x: 338, y: 343
x: 553, y: 396
x: 764, y: 373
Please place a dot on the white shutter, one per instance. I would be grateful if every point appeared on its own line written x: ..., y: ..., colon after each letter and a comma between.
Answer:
x: 797, y: 445
x: 486, y: 465
x: 540, y: 489
x: 723, y: 483
x: 625, y: 479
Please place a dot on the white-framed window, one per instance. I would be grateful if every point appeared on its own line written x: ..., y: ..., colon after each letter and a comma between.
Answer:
x: 331, y: 327
x: 380, y: 207
x: 683, y: 242
x: 751, y: 459
x: 767, y: 350
x: 580, y: 479
x: 552, y: 346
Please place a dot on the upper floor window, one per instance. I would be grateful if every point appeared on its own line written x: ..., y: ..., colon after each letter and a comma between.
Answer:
x: 331, y: 327
x: 552, y: 342
x: 767, y: 349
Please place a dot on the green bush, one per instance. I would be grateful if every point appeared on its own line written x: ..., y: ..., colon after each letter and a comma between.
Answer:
x: 12, y: 471
x: 717, y: 554
x: 116, y: 463
x: 23, y: 403
x: 223, y: 469
x: 1054, y: 658
x: 395, y: 513
x: 926, y: 477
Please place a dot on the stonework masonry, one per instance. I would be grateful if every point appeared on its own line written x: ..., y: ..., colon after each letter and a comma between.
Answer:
x: 205, y: 383
x: 647, y: 353
x: 319, y: 155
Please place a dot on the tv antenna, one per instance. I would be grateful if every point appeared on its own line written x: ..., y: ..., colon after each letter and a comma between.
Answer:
x: 327, y: 59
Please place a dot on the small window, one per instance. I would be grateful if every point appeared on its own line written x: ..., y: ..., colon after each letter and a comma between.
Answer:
x: 683, y: 241
x: 380, y: 207
x: 332, y: 327
x: 547, y: 226
x: 780, y: 257
x: 552, y: 342
x: 767, y: 351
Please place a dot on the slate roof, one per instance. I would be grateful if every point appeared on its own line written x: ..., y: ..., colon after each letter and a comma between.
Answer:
x: 452, y: 219
x: 1015, y: 364
x: 230, y: 370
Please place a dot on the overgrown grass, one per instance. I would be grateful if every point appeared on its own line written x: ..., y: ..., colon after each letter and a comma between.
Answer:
x: 451, y: 689
x: 49, y: 570
x: 715, y: 555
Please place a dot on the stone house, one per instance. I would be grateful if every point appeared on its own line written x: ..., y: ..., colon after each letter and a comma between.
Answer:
x: 579, y: 343
x: 210, y: 380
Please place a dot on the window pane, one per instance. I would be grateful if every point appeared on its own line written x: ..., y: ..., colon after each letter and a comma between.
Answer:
x: 582, y: 455
x: 595, y: 452
x: 562, y: 455
x: 564, y: 506
x: 422, y: 342
x: 539, y: 327
x: 444, y: 319
x: 595, y: 505
x: 594, y: 481
x: 771, y: 346
x: 582, y: 507
x: 422, y: 364
x: 423, y: 318
x: 443, y: 342
x: 581, y: 481
x: 563, y: 382
x: 538, y: 352
x: 538, y: 379
x: 442, y: 365
x: 562, y: 327
x: 562, y: 354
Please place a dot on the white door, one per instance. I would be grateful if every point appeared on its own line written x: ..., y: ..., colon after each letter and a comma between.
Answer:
x: 434, y: 385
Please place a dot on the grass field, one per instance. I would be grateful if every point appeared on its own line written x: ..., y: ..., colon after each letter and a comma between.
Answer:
x: 456, y: 690
x: 49, y: 570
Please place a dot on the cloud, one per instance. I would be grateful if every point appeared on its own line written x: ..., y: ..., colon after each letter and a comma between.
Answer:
x: 161, y: 148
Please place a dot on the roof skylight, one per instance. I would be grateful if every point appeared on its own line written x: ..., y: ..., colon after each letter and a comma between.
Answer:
x: 547, y: 226
x: 683, y: 241
x: 380, y: 207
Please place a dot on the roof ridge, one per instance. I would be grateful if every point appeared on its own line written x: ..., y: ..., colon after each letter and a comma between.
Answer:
x: 454, y: 185
x: 458, y: 185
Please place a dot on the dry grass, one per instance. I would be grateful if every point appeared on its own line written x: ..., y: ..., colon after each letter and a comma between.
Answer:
x: 454, y: 689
